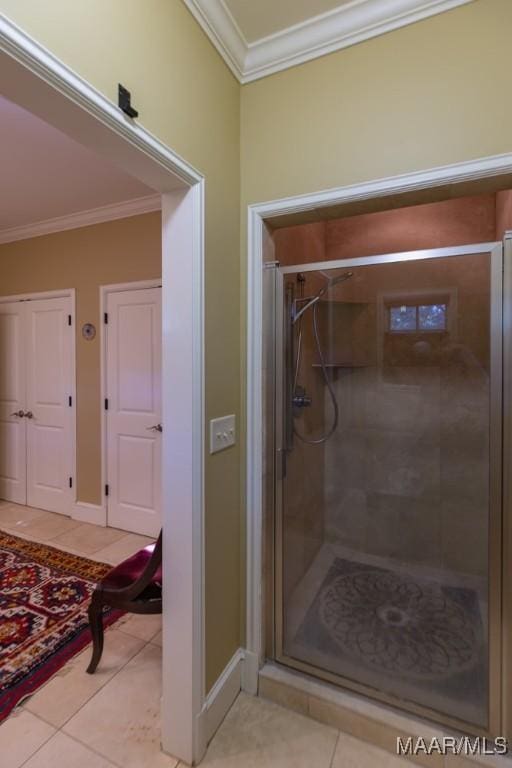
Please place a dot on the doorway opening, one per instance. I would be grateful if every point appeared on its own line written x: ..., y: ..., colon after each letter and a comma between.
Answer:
x: 40, y: 84
x: 382, y: 495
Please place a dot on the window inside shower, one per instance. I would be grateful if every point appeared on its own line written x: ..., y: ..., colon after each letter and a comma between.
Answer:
x: 386, y: 417
x: 408, y: 317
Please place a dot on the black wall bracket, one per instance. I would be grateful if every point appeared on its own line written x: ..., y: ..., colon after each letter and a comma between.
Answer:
x: 124, y: 101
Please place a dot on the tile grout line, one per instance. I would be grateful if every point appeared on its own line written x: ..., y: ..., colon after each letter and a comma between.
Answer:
x: 136, y: 637
x: 83, y: 743
x: 91, y: 749
x: 103, y: 686
x: 52, y: 542
x: 67, y: 735
x: 335, y: 748
x: 91, y: 555
x: 60, y: 727
x: 27, y: 537
x: 44, y: 742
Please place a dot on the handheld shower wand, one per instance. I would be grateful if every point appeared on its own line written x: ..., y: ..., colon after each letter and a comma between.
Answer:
x: 300, y: 399
x: 331, y: 282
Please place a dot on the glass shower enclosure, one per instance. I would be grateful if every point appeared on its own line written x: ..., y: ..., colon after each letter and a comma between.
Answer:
x: 388, y: 478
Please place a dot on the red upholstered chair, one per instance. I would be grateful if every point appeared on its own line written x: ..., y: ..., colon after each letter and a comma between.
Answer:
x: 134, y: 586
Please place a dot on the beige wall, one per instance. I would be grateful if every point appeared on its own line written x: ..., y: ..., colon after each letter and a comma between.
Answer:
x: 83, y: 259
x: 187, y: 97
x: 425, y: 95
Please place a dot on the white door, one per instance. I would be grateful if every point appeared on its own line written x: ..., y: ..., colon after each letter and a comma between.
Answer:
x: 134, y: 409
x: 13, y: 466
x: 48, y: 416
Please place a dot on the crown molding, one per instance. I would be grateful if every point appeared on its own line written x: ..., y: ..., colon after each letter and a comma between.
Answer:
x: 344, y: 26
x: 220, y: 26
x: 100, y: 215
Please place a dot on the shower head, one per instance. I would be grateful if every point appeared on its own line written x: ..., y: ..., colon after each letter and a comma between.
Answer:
x: 331, y: 282
x: 341, y: 278
x: 333, y: 279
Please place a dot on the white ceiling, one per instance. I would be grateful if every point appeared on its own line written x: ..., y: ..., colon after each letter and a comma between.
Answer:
x: 45, y: 174
x: 259, y: 37
x: 266, y: 17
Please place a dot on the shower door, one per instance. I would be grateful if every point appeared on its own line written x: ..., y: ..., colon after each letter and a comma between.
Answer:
x: 388, y: 489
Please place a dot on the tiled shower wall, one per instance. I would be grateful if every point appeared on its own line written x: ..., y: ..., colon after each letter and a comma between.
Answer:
x: 413, y: 440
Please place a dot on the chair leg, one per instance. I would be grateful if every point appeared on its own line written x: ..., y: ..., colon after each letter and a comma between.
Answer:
x: 96, y: 622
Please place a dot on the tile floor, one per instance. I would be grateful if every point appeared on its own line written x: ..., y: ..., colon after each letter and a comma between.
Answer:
x: 111, y: 719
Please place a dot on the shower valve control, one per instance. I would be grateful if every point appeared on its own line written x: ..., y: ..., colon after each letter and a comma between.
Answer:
x: 222, y: 433
x: 301, y: 400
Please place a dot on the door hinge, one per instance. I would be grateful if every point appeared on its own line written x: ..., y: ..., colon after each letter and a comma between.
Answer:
x: 70, y: 401
x: 69, y: 319
x: 105, y: 318
x: 106, y: 403
x: 70, y: 482
x: 107, y: 489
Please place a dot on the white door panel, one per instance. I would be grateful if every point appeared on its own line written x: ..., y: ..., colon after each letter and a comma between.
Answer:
x: 133, y: 380
x: 13, y: 465
x: 49, y: 384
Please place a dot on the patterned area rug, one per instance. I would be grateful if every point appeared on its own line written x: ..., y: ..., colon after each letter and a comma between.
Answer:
x: 44, y: 596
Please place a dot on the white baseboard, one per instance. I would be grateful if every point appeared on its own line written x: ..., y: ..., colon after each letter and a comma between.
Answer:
x: 89, y: 513
x: 222, y: 695
x: 250, y: 673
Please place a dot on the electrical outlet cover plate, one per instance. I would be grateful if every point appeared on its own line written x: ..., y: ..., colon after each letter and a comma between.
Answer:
x: 222, y: 433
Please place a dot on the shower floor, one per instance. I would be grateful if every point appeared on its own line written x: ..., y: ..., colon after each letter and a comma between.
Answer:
x: 410, y: 631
